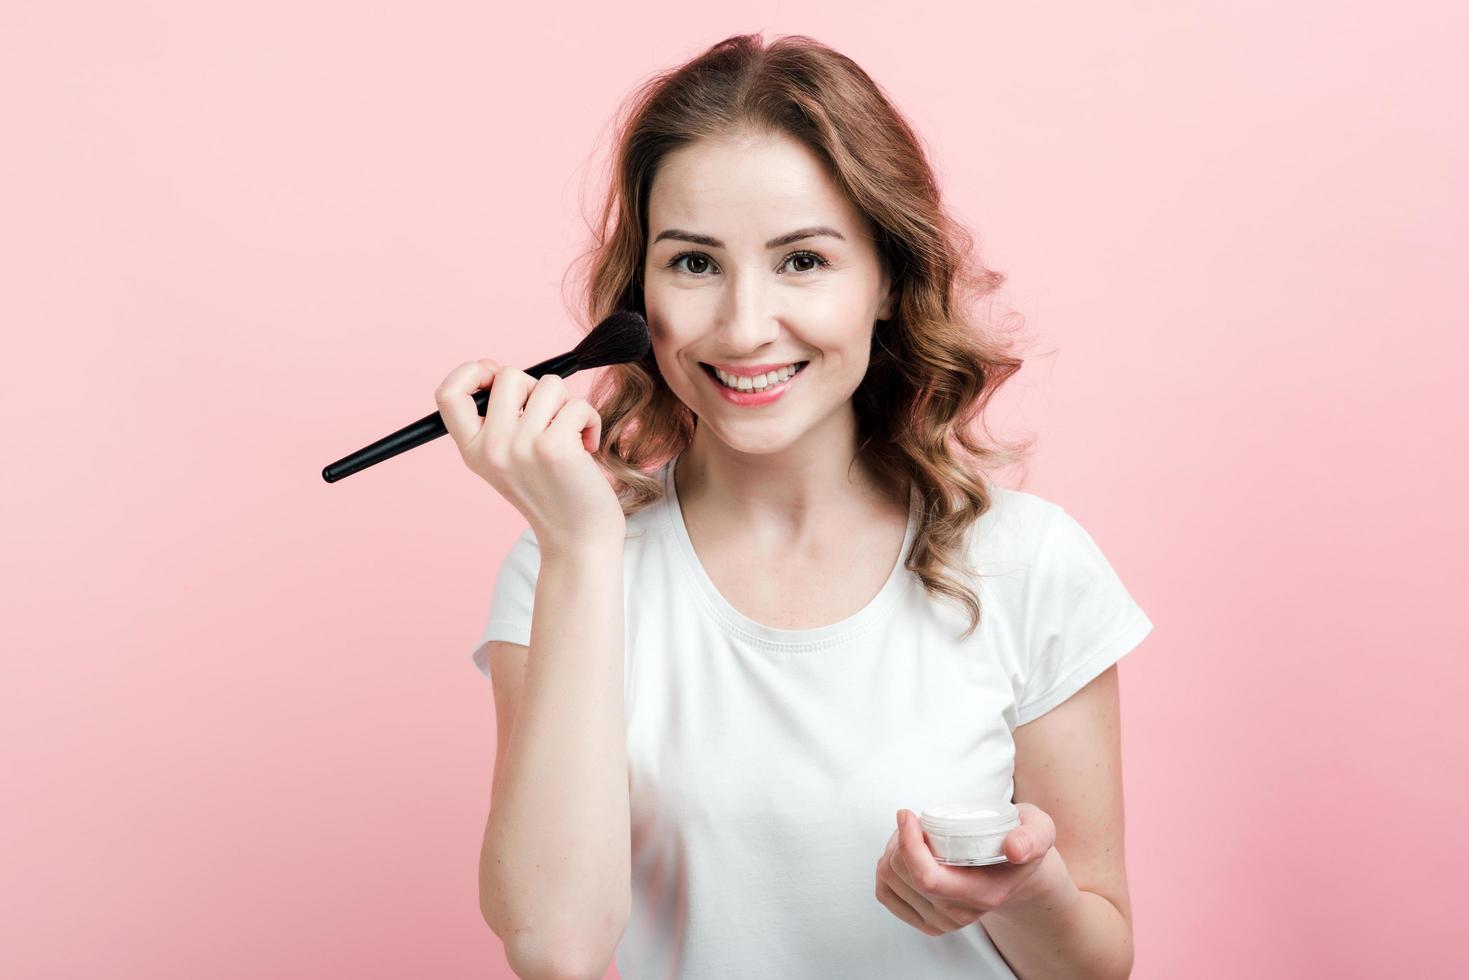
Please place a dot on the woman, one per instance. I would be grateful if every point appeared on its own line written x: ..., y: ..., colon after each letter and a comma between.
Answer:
x: 801, y: 613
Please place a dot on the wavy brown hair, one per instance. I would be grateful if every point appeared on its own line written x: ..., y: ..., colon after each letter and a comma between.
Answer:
x: 934, y: 365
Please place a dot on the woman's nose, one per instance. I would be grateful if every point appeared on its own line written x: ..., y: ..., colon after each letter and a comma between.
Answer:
x: 748, y: 322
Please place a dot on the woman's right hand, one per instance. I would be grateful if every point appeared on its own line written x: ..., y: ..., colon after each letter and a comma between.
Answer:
x: 535, y: 446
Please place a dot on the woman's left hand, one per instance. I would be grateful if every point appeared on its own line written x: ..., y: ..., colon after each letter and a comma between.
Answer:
x: 938, y: 898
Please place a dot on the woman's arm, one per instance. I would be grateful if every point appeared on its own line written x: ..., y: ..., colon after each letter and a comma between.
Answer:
x: 555, y: 865
x: 1074, y: 919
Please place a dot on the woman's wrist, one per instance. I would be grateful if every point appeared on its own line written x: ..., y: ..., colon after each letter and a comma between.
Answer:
x: 1049, y: 891
x: 1051, y: 927
x: 585, y: 547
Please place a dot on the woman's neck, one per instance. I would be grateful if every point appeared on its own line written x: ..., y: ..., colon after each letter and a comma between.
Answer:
x: 808, y: 487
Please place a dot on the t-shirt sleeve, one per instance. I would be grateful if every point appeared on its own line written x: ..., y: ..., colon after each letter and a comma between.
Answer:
x: 1080, y: 618
x: 512, y: 599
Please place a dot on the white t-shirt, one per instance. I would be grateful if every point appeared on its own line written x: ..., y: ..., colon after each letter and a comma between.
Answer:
x: 766, y: 765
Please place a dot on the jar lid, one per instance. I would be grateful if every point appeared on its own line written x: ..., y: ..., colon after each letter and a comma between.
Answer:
x: 970, y: 818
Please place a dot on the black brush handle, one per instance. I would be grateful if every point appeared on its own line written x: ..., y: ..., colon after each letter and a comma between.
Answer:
x: 431, y: 426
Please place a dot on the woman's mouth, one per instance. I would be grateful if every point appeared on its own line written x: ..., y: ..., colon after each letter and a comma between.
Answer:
x: 751, y: 391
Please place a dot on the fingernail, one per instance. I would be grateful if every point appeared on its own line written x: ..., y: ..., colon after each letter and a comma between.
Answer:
x: 902, y: 820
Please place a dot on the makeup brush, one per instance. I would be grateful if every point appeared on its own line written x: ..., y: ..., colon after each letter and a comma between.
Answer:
x: 620, y: 338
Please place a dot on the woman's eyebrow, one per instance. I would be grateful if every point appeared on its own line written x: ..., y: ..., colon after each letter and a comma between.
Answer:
x: 790, y: 236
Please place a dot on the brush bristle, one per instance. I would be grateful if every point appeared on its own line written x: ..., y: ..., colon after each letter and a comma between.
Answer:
x: 620, y: 338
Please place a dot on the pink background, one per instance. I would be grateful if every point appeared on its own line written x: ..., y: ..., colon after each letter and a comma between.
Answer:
x: 242, y: 734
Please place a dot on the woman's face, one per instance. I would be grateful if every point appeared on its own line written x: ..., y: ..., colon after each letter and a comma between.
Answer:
x: 757, y: 260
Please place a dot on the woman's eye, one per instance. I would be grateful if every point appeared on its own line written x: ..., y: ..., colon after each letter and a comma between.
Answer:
x: 815, y: 260
x: 692, y: 258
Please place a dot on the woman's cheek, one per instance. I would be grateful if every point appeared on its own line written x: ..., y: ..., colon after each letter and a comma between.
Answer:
x: 674, y: 316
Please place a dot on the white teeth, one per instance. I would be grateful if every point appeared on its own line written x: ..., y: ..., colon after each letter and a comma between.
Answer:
x: 757, y: 382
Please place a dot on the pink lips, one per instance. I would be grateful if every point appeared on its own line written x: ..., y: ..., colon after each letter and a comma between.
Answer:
x: 753, y: 398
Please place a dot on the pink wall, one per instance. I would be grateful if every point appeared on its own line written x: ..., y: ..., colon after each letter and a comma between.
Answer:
x: 242, y: 734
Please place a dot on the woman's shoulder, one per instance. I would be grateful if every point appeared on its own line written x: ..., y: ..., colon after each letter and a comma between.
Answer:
x: 1016, y: 514
x: 648, y: 520
x: 1008, y: 535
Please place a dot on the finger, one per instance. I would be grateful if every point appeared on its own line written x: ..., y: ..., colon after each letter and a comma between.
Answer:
x: 502, y: 411
x: 577, y: 420
x: 936, y: 917
x: 455, y: 398
x: 547, y: 395
x: 923, y: 872
x: 1033, y: 838
x: 896, y: 905
x: 930, y: 912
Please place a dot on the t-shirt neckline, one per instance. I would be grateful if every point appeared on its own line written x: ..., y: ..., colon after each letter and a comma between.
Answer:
x: 737, y: 623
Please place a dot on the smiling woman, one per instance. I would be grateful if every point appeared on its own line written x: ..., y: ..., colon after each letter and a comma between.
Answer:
x: 745, y: 152
x: 822, y: 617
x: 751, y: 305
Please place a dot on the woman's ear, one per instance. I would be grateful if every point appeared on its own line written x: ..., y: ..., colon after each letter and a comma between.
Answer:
x: 889, y: 304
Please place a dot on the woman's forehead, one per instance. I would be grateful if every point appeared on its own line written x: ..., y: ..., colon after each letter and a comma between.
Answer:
x: 746, y: 190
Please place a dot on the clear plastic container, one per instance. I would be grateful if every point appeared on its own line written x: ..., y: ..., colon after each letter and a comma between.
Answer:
x: 969, y: 833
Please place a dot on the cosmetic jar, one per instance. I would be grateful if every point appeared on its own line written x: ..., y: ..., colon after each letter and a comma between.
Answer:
x: 969, y: 833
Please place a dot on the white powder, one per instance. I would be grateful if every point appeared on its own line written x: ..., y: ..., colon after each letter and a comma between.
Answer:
x: 959, y: 813
x: 968, y: 832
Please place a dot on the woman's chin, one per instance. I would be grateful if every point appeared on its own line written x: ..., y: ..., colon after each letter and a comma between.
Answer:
x: 756, y: 437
